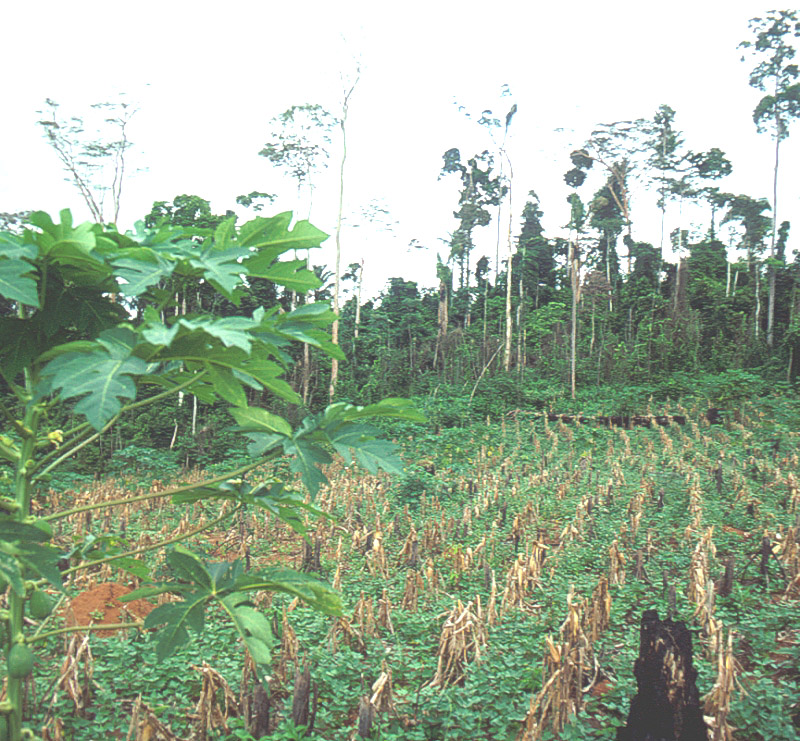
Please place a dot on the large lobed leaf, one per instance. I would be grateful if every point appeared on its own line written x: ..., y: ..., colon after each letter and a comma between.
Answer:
x: 203, y: 583
x: 101, y: 376
x: 15, y: 282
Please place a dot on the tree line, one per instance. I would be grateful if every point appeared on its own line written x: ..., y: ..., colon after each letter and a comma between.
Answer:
x: 595, y: 305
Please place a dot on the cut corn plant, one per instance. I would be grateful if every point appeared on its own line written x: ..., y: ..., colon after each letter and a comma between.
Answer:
x: 97, y: 333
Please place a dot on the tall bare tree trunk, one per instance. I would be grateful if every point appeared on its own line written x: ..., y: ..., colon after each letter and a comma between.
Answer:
x: 507, y: 351
x: 771, y: 271
x: 358, y: 299
x: 443, y: 319
x: 484, y: 348
x: 757, y: 321
x: 575, y: 280
x: 337, y: 270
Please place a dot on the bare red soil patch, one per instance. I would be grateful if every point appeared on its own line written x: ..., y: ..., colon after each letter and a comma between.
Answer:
x: 100, y: 604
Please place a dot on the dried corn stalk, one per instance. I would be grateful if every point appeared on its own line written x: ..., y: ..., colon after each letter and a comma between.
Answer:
x: 289, y: 646
x: 351, y: 637
x: 718, y: 701
x: 209, y: 714
x: 432, y: 535
x: 522, y: 578
x: 565, y: 666
x: 382, y: 699
x: 385, y: 612
x: 364, y: 616
x: 463, y: 635
x: 491, y: 610
x: 376, y: 557
x: 616, y: 566
x: 432, y: 577
x: 146, y: 726
x: 409, y: 554
x: 695, y: 508
x: 77, y: 653
x: 414, y: 585
x: 793, y: 494
x: 598, y: 614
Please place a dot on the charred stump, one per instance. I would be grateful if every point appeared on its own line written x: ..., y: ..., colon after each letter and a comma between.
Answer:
x: 666, y: 706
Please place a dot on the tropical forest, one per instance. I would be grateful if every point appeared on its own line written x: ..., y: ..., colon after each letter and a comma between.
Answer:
x: 545, y: 486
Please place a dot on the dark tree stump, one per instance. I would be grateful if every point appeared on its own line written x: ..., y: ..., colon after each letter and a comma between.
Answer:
x: 301, y: 695
x: 666, y: 706
x: 259, y: 712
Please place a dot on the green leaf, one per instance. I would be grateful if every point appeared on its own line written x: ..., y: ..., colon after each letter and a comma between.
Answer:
x: 316, y: 593
x: 307, y: 456
x: 146, y: 592
x: 390, y: 407
x: 375, y: 454
x: 271, y: 237
x: 221, y: 268
x: 140, y: 268
x: 132, y: 566
x: 177, y: 618
x: 261, y: 443
x: 14, y: 247
x: 226, y: 385
x: 224, y: 232
x: 43, y: 560
x: 14, y: 531
x: 10, y: 571
x: 231, y: 331
x: 255, y: 631
x: 189, y: 567
x: 254, y: 419
x: 292, y: 274
x: 15, y: 285
x: 159, y: 334
x: 102, y: 377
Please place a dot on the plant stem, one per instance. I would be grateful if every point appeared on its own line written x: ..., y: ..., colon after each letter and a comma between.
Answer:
x: 80, y: 628
x: 155, y: 495
x: 15, y: 423
x: 126, y: 408
x: 73, y: 450
x: 156, y: 546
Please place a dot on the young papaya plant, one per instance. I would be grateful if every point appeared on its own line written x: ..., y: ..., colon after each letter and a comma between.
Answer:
x: 88, y: 324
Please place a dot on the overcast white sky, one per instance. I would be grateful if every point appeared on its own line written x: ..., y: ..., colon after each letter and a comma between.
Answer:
x: 209, y: 77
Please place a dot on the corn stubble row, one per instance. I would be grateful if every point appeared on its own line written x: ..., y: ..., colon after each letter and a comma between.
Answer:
x: 421, y: 547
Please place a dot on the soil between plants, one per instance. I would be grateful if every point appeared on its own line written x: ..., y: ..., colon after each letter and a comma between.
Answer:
x: 100, y: 604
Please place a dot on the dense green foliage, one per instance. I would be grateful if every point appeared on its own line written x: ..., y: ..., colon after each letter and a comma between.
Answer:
x: 98, y: 325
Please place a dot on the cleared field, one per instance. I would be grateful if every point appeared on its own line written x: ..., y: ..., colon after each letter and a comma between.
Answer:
x: 493, y: 591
